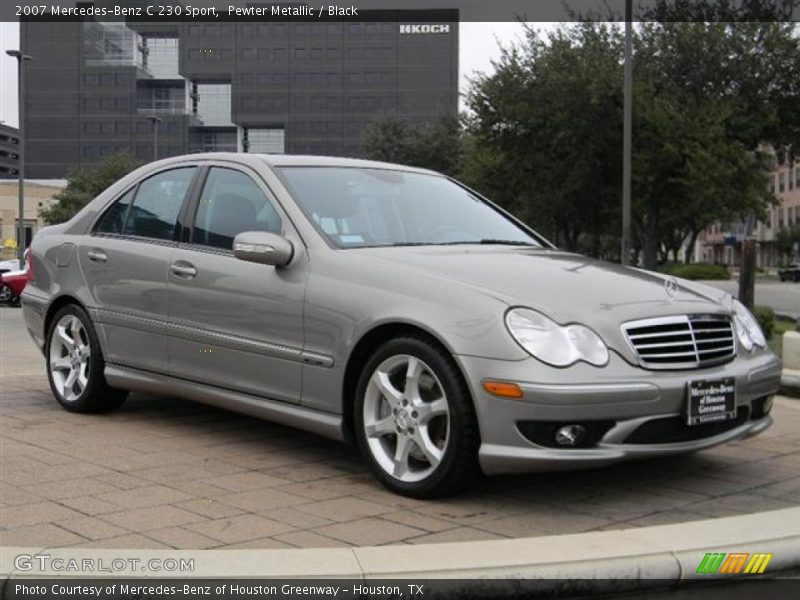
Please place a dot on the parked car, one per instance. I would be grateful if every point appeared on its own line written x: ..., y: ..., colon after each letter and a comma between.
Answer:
x: 9, y: 265
x: 12, y: 283
x: 391, y: 306
x: 790, y: 273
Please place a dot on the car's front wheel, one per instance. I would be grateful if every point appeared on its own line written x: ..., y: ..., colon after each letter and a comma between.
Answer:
x: 75, y: 364
x: 5, y: 293
x: 414, y: 419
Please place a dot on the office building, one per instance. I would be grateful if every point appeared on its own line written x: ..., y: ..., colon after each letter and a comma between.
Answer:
x: 96, y: 88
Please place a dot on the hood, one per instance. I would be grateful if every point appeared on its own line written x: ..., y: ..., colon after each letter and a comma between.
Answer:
x: 567, y: 287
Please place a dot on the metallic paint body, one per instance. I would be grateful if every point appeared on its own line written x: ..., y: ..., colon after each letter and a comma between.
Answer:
x: 275, y: 342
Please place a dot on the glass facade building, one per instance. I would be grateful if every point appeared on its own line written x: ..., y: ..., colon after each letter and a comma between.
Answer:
x: 296, y: 87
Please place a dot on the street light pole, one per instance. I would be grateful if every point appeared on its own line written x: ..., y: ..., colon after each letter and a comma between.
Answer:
x: 156, y: 120
x: 21, y: 58
x: 627, y: 134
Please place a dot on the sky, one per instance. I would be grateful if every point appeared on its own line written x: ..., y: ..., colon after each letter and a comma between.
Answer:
x: 479, y: 45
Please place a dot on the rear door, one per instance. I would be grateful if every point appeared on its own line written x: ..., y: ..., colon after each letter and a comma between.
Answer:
x: 235, y: 324
x: 125, y: 261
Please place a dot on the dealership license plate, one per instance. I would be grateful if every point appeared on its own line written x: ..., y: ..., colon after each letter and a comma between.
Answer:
x: 711, y: 401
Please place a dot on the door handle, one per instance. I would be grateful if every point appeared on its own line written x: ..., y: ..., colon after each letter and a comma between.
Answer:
x: 183, y: 269
x: 96, y: 255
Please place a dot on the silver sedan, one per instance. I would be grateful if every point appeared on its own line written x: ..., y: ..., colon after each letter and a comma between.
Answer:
x: 390, y: 306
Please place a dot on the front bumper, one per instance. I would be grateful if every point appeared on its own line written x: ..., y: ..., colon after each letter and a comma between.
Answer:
x: 632, y: 402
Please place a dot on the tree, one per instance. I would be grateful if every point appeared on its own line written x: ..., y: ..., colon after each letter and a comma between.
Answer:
x: 435, y: 146
x: 543, y: 130
x: 787, y: 240
x: 84, y: 184
x: 707, y: 96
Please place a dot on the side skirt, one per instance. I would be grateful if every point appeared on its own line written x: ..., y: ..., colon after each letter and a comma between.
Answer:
x: 313, y: 421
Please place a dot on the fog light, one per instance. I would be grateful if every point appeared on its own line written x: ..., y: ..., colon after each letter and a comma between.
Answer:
x: 570, y: 435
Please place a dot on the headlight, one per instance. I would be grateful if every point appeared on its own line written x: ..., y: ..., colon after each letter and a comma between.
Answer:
x: 747, y: 329
x: 552, y: 343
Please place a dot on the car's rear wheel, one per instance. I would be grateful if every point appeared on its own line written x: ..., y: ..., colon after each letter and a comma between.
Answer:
x: 75, y: 364
x: 414, y: 419
x: 5, y: 293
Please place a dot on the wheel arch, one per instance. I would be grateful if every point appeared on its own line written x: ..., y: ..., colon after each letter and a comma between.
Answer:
x: 65, y: 300
x: 366, y: 346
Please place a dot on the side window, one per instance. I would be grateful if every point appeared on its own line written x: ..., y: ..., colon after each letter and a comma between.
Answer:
x: 231, y: 203
x: 114, y: 218
x: 154, y: 213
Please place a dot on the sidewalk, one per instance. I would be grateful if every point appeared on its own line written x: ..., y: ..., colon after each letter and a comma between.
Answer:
x: 166, y: 473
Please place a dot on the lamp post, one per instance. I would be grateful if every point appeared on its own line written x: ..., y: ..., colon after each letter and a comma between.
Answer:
x: 627, y: 133
x: 156, y: 121
x: 21, y: 58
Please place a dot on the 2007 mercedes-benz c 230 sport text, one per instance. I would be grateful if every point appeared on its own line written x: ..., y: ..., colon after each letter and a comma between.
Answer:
x: 391, y: 306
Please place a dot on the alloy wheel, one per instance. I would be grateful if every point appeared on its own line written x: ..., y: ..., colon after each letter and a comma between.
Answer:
x: 406, y: 418
x: 70, y: 357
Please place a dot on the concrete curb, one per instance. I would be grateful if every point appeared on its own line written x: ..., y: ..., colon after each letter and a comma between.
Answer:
x: 790, y: 383
x: 666, y: 553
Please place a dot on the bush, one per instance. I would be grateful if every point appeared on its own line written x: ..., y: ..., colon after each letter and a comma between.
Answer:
x: 766, y: 318
x: 696, y: 271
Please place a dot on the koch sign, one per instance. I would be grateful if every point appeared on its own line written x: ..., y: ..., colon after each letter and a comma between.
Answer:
x: 416, y: 29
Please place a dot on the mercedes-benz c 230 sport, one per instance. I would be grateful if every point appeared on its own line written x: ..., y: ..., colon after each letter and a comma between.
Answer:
x: 391, y: 306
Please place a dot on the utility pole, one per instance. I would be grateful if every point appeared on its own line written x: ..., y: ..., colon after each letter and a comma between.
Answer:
x: 747, y: 268
x: 21, y: 59
x: 627, y: 135
x: 156, y: 121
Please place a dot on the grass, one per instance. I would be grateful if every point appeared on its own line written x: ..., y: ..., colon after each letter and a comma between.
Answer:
x: 781, y: 327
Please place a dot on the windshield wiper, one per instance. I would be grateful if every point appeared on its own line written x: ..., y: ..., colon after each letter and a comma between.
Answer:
x: 465, y: 242
x: 506, y: 242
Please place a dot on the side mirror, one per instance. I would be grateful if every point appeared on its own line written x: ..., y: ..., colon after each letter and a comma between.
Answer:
x: 263, y: 247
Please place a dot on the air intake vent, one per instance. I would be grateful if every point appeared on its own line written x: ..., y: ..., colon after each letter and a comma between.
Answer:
x: 683, y: 342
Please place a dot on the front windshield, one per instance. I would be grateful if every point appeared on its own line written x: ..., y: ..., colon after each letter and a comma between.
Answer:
x: 359, y: 207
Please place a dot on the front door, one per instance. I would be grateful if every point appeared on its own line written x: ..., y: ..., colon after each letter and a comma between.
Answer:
x: 236, y: 324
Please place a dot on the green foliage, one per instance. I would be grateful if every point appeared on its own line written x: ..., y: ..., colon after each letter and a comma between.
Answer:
x: 544, y: 136
x: 435, y: 146
x: 766, y: 319
x: 83, y: 185
x: 696, y: 271
x: 786, y: 239
x: 542, y: 131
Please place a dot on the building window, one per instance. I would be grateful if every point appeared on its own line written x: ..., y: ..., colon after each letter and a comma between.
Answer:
x: 266, y: 140
x: 214, y: 104
x: 160, y: 57
x: 161, y: 96
x: 110, y: 44
x: 782, y: 182
x: 218, y: 139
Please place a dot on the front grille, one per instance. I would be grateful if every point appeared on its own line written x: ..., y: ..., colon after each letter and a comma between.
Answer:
x: 682, y: 342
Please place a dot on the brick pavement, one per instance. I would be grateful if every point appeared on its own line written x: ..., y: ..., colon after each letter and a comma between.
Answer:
x: 167, y: 473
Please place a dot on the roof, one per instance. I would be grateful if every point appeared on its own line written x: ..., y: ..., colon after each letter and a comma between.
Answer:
x: 296, y: 160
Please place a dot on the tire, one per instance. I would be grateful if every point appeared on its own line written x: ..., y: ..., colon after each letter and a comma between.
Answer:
x: 75, y: 364
x: 797, y: 277
x: 5, y: 293
x: 434, y: 422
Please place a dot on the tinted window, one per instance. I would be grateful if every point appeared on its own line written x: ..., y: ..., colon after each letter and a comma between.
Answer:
x: 114, y: 218
x: 231, y: 203
x: 154, y: 213
x: 376, y: 207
